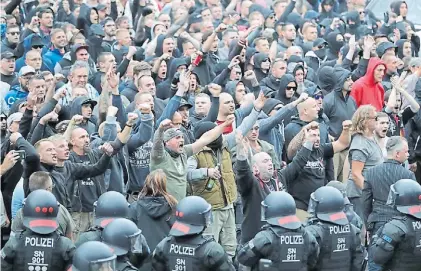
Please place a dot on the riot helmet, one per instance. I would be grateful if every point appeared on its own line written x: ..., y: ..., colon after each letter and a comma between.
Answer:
x: 278, y: 209
x: 405, y: 195
x: 109, y: 206
x: 40, y: 211
x: 193, y: 215
x: 327, y: 204
x: 342, y: 188
x: 94, y: 256
x: 123, y: 236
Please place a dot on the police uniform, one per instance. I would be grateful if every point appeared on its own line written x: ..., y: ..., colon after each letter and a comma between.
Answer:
x: 339, y: 241
x: 93, y: 234
x: 127, y: 242
x: 186, y: 248
x: 94, y: 256
x: 31, y: 251
x: 109, y: 206
x: 190, y: 253
x: 397, y: 245
x: 283, y: 240
x: 123, y: 264
x: 40, y: 247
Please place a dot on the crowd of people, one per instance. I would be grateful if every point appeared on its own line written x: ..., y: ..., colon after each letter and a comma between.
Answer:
x: 209, y: 135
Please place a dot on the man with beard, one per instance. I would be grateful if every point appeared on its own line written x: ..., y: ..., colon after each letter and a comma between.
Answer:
x: 110, y: 31
x: 338, y: 107
x: 12, y: 39
x: 20, y: 91
x: 85, y: 191
x: 7, y: 68
x: 313, y: 174
x: 287, y: 35
x: 382, y: 128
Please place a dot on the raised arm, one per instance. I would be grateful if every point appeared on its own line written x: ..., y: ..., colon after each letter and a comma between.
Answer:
x: 144, y: 131
x: 344, y: 139
x: 157, y: 152
x: 298, y: 140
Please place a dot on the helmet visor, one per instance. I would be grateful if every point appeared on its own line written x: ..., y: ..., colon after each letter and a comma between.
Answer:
x: 207, y: 215
x: 391, y: 199
x: 103, y: 265
x: 136, y: 243
x: 312, y: 205
x: 263, y: 208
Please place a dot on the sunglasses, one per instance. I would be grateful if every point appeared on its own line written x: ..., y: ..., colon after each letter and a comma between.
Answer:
x: 318, y: 96
x: 376, y: 118
x: 37, y: 46
x: 321, y: 46
x: 291, y: 88
x: 3, y: 118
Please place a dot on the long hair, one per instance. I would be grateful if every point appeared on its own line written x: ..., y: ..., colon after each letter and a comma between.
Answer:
x: 360, y: 117
x: 156, y: 186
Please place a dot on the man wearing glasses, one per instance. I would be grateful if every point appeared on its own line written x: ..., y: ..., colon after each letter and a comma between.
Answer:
x: 11, y: 40
x: 20, y: 91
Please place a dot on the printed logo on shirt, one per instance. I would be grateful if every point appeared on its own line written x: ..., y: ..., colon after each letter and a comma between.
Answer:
x: 318, y: 164
x: 141, y: 157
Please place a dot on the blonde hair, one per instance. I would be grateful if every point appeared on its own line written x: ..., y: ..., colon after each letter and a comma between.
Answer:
x: 156, y: 186
x: 360, y: 118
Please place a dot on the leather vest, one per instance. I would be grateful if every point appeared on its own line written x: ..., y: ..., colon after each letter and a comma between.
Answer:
x: 224, y: 189
x: 39, y: 252
x: 289, y: 251
x: 336, y: 249
x: 407, y: 254
x: 186, y: 256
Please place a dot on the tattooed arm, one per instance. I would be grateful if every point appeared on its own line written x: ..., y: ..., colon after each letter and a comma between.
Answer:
x: 298, y: 140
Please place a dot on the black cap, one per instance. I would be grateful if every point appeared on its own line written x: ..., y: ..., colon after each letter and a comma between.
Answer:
x: 36, y: 41
x: 319, y: 41
x: 183, y: 102
x: 97, y: 29
x: 7, y: 55
x: 89, y: 101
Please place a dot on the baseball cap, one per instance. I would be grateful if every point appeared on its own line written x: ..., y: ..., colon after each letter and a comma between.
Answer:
x: 26, y: 70
x: 319, y: 41
x: 97, y: 29
x: 7, y: 55
x: 89, y: 101
x: 14, y: 117
x: 36, y: 41
x: 101, y: 7
x: 171, y: 133
x: 183, y: 102
x: 415, y: 62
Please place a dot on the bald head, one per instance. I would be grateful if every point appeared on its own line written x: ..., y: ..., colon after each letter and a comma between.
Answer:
x: 80, y: 140
x: 308, y: 110
x: 263, y: 166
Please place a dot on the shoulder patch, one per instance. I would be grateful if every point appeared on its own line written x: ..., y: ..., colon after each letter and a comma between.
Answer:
x: 387, y: 239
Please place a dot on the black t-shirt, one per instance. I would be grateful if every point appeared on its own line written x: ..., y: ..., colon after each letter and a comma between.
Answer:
x: 311, y: 177
x: 8, y: 78
x: 398, y: 121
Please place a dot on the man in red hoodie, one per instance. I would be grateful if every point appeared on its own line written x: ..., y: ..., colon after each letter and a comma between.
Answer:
x: 368, y: 89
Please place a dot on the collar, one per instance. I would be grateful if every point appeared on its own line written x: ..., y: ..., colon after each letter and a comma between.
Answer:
x: 392, y: 161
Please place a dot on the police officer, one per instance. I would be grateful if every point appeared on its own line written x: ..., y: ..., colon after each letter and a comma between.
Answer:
x: 110, y: 205
x: 339, y: 241
x: 186, y: 248
x: 124, y: 237
x: 352, y: 216
x: 283, y: 240
x: 39, y: 247
x: 94, y: 256
x: 398, y: 243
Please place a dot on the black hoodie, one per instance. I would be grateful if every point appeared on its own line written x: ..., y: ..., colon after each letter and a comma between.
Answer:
x: 337, y: 107
x: 163, y: 90
x: 334, y: 46
x: 76, y: 109
x: 258, y: 59
x: 283, y: 83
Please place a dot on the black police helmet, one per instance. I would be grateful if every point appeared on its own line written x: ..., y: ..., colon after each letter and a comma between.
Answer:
x: 123, y: 236
x: 193, y: 215
x: 40, y: 211
x: 110, y: 205
x: 405, y: 195
x: 93, y: 256
x: 279, y: 209
x: 327, y: 203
